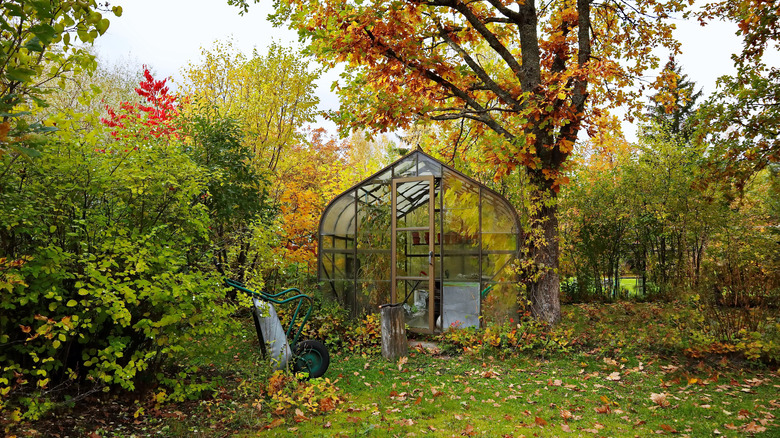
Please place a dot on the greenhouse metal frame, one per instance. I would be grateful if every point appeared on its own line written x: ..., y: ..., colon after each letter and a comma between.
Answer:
x: 447, y: 255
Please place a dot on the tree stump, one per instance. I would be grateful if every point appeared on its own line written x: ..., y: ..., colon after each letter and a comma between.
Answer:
x: 394, y: 343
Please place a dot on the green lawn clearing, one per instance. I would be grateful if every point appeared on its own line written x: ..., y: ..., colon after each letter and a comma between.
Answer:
x: 619, y: 378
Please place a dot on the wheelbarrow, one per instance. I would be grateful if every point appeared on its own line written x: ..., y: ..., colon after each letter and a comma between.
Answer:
x: 307, y: 356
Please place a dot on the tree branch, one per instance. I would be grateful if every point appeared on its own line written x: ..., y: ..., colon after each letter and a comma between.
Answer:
x: 489, y: 83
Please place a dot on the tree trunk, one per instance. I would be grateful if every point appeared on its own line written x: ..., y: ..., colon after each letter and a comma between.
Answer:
x: 544, y: 291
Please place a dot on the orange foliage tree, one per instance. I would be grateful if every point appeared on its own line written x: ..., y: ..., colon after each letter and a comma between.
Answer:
x: 308, y: 176
x: 534, y: 75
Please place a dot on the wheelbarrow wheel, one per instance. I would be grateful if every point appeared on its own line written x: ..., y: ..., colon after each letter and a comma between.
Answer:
x: 311, y: 357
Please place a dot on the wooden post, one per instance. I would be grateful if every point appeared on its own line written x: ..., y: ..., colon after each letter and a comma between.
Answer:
x: 394, y: 343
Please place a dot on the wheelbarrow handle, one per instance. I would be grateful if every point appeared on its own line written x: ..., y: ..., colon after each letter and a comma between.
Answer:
x: 275, y: 299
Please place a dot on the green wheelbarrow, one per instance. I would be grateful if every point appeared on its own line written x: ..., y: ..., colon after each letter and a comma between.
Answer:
x: 307, y: 356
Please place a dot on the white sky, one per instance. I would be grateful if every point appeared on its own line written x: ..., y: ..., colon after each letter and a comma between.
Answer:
x: 168, y: 34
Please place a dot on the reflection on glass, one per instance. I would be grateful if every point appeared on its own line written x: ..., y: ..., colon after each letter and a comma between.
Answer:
x: 460, y: 267
x: 499, y: 230
x: 461, y: 214
x: 497, y: 267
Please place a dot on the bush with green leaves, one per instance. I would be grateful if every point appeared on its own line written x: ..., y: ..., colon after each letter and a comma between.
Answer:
x: 101, y: 242
x: 235, y: 194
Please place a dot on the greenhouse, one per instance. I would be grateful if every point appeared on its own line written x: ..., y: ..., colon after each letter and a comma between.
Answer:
x: 421, y: 234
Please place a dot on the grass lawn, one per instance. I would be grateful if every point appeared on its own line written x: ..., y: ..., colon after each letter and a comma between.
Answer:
x: 625, y: 388
x: 578, y: 395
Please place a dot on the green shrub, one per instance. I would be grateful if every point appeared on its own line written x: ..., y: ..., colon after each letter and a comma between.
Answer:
x: 98, y: 265
x: 511, y: 338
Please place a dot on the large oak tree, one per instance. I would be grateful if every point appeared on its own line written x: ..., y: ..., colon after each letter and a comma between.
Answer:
x: 534, y: 74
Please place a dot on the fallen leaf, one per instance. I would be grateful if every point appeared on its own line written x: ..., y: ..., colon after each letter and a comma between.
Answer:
x: 326, y: 425
x: 668, y: 428
x: 753, y: 427
x: 540, y: 421
x: 565, y: 414
x: 659, y: 399
x: 276, y: 423
x: 614, y: 376
x: 565, y: 428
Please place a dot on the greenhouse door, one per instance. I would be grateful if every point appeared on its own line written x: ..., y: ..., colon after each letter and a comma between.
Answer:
x: 413, y: 250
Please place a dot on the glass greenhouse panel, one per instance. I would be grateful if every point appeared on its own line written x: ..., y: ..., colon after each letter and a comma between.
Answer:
x: 497, y: 267
x: 420, y: 234
x: 341, y: 290
x: 499, y: 303
x: 460, y: 216
x: 428, y: 166
x: 339, y: 218
x: 373, y: 265
x: 460, y: 304
x: 406, y: 167
x: 412, y: 259
x: 416, y: 299
x: 412, y: 204
x: 373, y: 217
x: 370, y: 295
x: 336, y: 265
